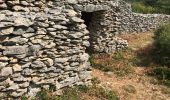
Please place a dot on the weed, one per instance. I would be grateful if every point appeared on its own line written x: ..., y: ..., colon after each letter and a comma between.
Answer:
x: 95, y: 81
x: 23, y: 98
x: 122, y: 71
x: 129, y: 88
x: 163, y: 74
x: 92, y: 60
x: 103, y: 93
x: 42, y: 95
x: 119, y: 56
x: 83, y: 88
x: 102, y: 67
x: 75, y: 93
x: 70, y: 94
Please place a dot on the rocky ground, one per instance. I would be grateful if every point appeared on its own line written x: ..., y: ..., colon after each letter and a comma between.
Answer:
x: 135, y: 84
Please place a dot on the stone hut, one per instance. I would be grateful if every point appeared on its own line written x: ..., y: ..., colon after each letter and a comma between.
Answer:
x: 45, y: 43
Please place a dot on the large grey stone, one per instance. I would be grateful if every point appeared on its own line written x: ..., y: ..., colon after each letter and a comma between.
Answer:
x: 15, y: 40
x: 23, y: 22
x: 19, y: 31
x: 89, y: 8
x: 38, y: 64
x: 76, y: 19
x: 6, y: 31
x: 6, y: 71
x: 61, y: 60
x: 75, y: 35
x: 3, y: 64
x: 15, y: 50
x: 84, y: 57
x: 33, y: 50
x: 72, y: 1
x: 17, y: 68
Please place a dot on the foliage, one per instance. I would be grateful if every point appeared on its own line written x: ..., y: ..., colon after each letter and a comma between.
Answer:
x: 75, y: 93
x: 23, y: 98
x: 139, y: 7
x: 163, y: 74
x: 42, y: 95
x: 119, y: 56
x: 162, y: 42
x: 150, y: 6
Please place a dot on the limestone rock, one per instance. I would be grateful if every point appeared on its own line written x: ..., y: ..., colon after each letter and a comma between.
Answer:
x: 6, y: 31
x: 6, y: 71
x: 38, y: 64
x: 77, y: 20
x: 84, y: 57
x: 4, y: 58
x: 22, y: 22
x: 61, y: 60
x: 33, y: 50
x: 17, y: 68
x: 3, y: 64
x: 15, y: 50
x: 72, y: 1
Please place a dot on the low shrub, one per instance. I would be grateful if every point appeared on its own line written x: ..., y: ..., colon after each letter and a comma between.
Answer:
x: 162, y: 43
x: 119, y: 56
x: 162, y: 53
x: 163, y: 74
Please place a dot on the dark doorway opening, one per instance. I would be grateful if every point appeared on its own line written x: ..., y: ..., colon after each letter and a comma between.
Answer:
x: 92, y: 21
x: 87, y: 17
x: 88, y: 21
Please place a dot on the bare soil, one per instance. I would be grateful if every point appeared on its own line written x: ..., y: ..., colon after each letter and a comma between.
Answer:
x: 137, y: 85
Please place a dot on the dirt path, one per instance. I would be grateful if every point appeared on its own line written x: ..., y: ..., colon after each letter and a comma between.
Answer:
x: 137, y: 85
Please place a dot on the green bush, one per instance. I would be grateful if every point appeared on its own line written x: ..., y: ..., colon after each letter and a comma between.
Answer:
x: 163, y: 74
x: 139, y: 7
x: 150, y: 6
x: 162, y: 42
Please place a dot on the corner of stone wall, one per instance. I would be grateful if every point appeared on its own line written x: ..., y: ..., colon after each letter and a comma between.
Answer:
x: 42, y: 44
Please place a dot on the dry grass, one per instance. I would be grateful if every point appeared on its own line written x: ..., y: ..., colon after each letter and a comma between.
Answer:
x: 133, y: 66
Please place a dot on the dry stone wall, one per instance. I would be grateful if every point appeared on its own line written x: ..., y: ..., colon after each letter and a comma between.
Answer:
x: 41, y: 48
x: 130, y: 22
x: 142, y: 22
